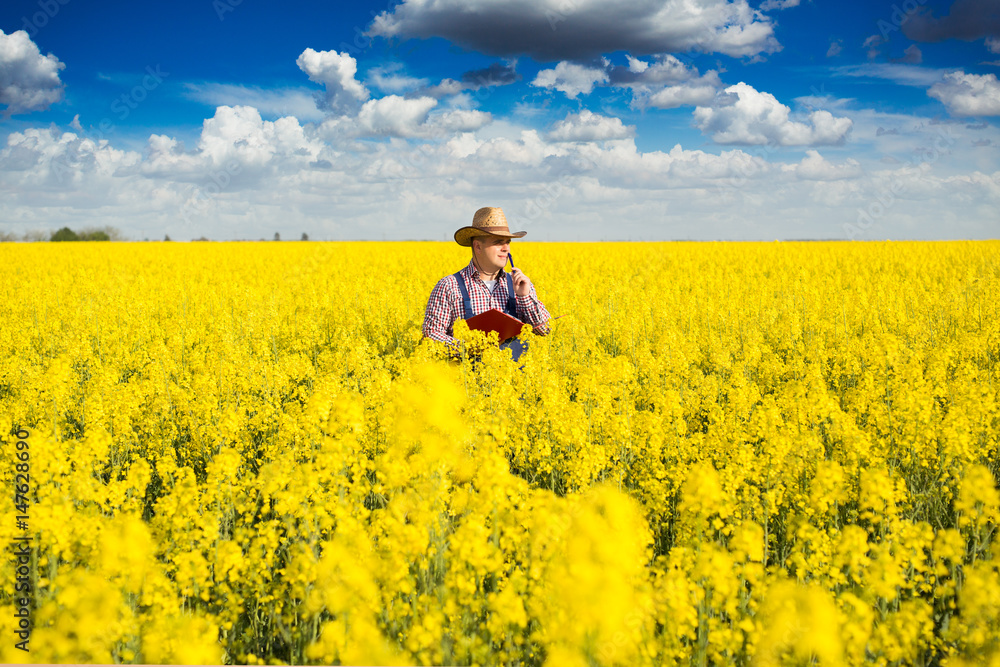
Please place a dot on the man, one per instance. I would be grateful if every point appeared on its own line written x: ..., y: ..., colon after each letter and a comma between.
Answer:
x: 484, y: 284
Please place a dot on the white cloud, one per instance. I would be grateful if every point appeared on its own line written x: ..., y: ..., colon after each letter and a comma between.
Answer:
x: 497, y: 74
x: 758, y: 118
x: 571, y: 78
x: 246, y: 177
x: 666, y: 83
x: 460, y: 101
x: 29, y: 81
x: 391, y: 79
x: 993, y: 44
x: 769, y: 5
x: 404, y: 118
x: 697, y: 92
x: 553, y: 30
x: 167, y: 158
x: 968, y: 94
x: 588, y: 126
x: 528, y: 150
x: 235, y: 141
x: 297, y: 102
x: 836, y: 46
x: 636, y: 66
x: 459, y: 120
x: 445, y: 88
x: 336, y: 71
x: 665, y: 69
x: 622, y: 164
x: 395, y: 116
x: 825, y: 101
x: 903, y: 74
x: 874, y: 45
x: 239, y: 132
x: 52, y: 168
x: 911, y: 56
x: 814, y: 167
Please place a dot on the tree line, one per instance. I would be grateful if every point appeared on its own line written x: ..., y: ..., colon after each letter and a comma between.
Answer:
x: 107, y: 233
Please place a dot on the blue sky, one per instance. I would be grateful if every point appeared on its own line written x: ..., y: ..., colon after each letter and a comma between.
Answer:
x: 583, y: 119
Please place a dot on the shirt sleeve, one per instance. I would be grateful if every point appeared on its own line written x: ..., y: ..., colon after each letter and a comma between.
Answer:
x: 440, y: 315
x: 531, y: 310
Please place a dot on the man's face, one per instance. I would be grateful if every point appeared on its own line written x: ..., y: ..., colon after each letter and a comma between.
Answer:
x: 492, y: 252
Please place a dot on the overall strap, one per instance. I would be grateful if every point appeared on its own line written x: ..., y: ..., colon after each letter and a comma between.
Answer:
x: 466, y: 301
x: 511, y: 308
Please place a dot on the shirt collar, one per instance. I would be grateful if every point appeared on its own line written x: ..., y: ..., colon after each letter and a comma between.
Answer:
x: 471, y: 272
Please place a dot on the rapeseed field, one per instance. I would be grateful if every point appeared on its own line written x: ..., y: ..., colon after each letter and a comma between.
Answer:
x: 752, y: 453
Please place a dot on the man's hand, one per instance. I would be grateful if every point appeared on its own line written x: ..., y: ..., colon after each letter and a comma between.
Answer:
x: 522, y: 286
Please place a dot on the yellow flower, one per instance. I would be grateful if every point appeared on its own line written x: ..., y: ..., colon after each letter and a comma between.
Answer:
x: 728, y: 453
x: 800, y: 624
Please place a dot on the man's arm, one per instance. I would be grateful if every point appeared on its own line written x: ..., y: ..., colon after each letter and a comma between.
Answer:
x: 531, y: 310
x: 439, y: 314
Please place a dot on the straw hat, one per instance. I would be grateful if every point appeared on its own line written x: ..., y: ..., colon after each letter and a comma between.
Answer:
x: 488, y: 221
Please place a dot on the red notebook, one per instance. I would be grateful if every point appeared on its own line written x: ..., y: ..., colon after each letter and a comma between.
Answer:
x: 496, y: 320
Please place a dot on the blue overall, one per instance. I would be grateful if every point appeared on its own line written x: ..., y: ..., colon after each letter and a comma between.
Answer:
x: 515, y: 345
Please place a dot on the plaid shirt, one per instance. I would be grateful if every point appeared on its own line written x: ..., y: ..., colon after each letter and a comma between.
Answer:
x: 445, y: 304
